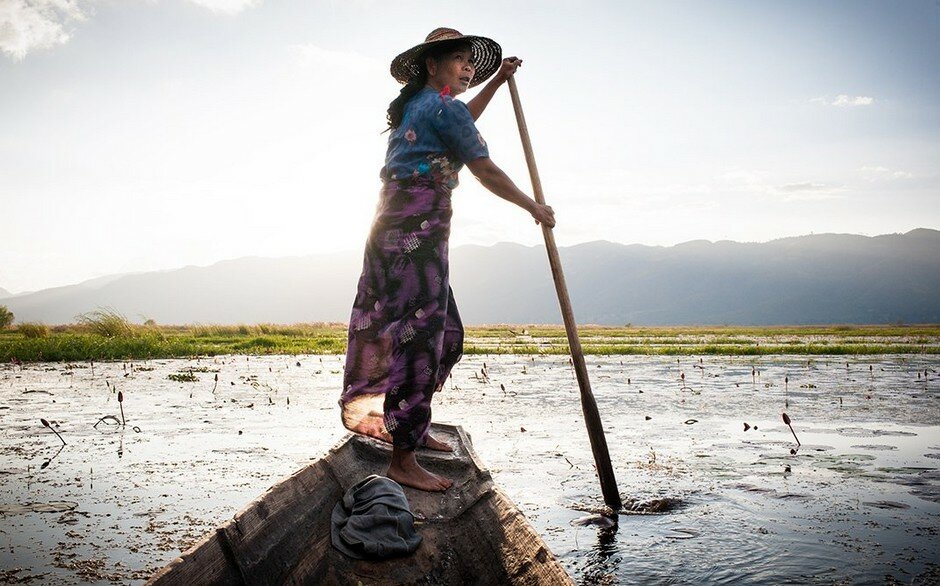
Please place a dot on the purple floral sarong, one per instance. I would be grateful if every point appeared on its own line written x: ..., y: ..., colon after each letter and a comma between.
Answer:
x: 405, y: 334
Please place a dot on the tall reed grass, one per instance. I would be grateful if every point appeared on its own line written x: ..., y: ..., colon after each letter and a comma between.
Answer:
x: 33, y: 329
x: 107, y: 322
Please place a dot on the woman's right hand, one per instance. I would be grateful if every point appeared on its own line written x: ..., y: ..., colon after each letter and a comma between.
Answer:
x: 544, y: 214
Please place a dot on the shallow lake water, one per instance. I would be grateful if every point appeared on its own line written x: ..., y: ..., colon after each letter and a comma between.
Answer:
x: 698, y: 445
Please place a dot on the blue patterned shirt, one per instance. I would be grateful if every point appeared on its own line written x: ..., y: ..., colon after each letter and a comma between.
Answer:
x: 435, y: 138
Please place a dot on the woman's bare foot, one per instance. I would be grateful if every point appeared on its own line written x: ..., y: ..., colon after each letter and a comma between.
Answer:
x: 371, y: 424
x: 405, y: 470
x: 435, y: 444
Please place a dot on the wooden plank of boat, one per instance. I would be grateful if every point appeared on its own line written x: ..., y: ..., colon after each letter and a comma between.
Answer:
x: 472, y: 534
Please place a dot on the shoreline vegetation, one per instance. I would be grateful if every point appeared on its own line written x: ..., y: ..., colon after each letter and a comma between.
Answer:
x: 106, y: 335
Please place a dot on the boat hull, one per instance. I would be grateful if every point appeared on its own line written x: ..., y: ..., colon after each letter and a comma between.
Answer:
x: 472, y: 533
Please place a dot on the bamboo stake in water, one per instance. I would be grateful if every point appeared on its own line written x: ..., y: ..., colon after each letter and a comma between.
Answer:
x: 592, y: 418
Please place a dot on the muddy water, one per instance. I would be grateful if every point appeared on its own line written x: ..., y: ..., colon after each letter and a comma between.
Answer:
x: 713, y: 502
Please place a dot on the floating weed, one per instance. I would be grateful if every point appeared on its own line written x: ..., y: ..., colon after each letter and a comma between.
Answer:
x: 846, y: 463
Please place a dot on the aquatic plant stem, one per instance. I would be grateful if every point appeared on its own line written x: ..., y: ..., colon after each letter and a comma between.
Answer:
x: 592, y: 419
x: 46, y: 424
x: 786, y: 419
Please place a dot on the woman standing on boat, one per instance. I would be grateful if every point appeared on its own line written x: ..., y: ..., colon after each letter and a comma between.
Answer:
x: 405, y: 334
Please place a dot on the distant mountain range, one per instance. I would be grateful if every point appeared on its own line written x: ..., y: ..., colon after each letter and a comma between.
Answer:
x: 817, y: 279
x: 4, y: 293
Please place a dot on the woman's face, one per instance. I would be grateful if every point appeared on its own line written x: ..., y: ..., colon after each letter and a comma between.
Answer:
x: 454, y: 69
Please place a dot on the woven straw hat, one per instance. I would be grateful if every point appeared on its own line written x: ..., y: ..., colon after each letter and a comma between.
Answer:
x: 486, y: 53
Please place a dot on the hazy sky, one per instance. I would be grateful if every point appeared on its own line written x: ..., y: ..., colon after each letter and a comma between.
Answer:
x: 147, y: 134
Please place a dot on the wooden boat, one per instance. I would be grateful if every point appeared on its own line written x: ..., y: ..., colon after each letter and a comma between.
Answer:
x: 472, y: 534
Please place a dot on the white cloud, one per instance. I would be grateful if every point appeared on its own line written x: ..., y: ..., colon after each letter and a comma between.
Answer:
x: 227, y: 6
x: 844, y: 101
x: 810, y: 191
x: 751, y: 182
x: 27, y: 25
x: 878, y: 173
x: 807, y: 186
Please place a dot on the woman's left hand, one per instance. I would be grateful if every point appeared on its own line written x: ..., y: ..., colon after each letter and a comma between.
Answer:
x: 508, y: 68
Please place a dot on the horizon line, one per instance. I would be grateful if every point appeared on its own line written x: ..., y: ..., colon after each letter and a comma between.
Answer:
x: 12, y: 294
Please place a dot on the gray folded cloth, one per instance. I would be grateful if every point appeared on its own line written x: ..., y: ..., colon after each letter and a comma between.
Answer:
x: 373, y: 521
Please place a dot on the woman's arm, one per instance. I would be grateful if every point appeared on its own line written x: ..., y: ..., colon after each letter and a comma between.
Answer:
x: 479, y: 102
x: 494, y: 179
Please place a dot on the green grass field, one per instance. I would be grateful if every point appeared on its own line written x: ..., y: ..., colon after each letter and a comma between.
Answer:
x: 109, y: 339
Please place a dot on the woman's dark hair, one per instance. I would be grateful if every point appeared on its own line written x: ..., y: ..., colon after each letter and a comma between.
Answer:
x: 396, y: 109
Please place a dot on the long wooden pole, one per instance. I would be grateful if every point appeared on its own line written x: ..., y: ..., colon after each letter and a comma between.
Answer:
x: 588, y: 405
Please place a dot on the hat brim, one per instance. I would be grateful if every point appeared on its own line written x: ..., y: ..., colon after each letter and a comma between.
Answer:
x: 486, y: 53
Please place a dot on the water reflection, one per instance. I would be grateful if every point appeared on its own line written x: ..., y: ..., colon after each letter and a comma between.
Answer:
x: 49, y: 460
x: 602, y: 560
